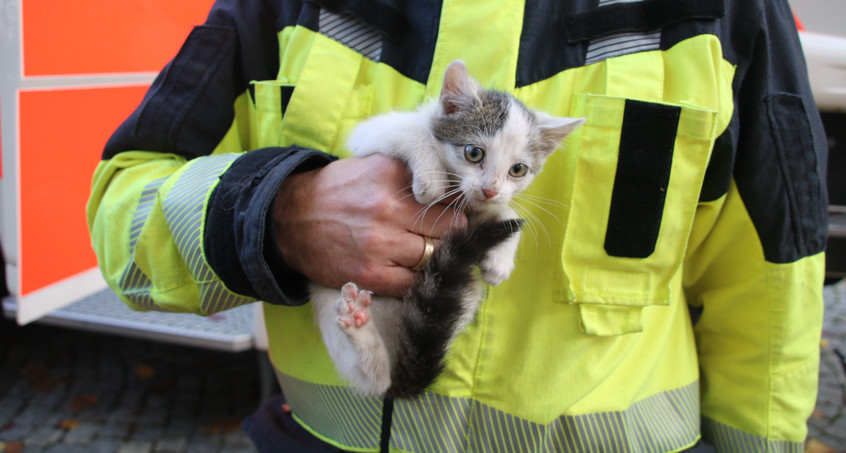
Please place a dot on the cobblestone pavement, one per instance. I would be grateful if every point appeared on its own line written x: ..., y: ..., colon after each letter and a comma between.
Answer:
x: 827, y: 426
x: 65, y: 391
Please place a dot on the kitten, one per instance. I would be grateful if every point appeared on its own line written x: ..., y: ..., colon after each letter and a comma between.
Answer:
x: 482, y: 147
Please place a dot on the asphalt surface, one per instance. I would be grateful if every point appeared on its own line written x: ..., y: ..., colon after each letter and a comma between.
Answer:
x: 65, y: 391
x: 68, y: 391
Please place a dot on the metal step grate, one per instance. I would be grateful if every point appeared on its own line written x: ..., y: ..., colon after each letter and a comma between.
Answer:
x: 232, y: 330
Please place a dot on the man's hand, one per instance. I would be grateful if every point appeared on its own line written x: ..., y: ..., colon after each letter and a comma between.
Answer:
x: 356, y: 220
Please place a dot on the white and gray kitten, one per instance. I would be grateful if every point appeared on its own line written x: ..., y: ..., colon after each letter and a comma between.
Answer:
x: 479, y: 147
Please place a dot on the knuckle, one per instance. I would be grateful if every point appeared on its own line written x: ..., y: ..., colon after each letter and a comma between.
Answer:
x: 380, y: 203
x: 370, y: 241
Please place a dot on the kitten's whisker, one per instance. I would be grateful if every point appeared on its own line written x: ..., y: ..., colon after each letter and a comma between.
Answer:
x: 449, y: 205
x: 447, y: 180
x: 527, y: 222
x: 532, y: 219
x: 409, y: 192
x: 409, y: 189
x: 544, y: 200
x: 458, y: 204
x: 422, y: 213
x: 438, y: 172
x: 449, y: 191
x: 537, y: 205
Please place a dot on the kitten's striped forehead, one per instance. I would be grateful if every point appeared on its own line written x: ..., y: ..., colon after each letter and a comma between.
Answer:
x: 487, y: 117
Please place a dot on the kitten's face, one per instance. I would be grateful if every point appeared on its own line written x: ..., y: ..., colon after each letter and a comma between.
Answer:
x: 493, y: 145
x: 493, y: 159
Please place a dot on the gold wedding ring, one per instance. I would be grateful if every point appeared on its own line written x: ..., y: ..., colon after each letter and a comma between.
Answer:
x: 428, y: 248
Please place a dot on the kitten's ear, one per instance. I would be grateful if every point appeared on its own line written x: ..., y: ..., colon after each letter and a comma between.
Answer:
x: 554, y: 129
x: 460, y: 91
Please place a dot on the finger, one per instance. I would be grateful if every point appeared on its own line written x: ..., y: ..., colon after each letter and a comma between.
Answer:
x: 409, y: 252
x: 392, y: 281
x: 436, y: 220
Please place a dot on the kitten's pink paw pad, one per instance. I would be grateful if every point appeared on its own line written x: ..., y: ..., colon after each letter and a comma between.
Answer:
x: 353, y: 307
x: 360, y: 318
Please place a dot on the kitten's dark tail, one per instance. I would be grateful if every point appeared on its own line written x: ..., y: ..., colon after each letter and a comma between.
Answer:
x: 434, y: 305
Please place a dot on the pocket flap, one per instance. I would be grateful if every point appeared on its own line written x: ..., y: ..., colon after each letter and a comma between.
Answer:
x: 638, y: 176
x: 610, y: 320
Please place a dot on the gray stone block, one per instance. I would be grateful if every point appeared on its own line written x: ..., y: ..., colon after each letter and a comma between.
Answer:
x: 44, y: 436
x: 136, y: 447
x: 171, y: 444
x: 83, y: 433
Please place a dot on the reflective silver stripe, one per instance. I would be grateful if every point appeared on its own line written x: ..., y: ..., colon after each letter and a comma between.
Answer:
x: 336, y: 412
x: 134, y: 283
x: 621, y: 44
x: 726, y: 438
x: 352, y: 32
x: 663, y: 422
x: 145, y: 204
x: 184, y: 207
x: 432, y: 423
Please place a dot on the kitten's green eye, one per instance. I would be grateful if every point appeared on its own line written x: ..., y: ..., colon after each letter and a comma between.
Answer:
x: 474, y: 154
x: 519, y: 170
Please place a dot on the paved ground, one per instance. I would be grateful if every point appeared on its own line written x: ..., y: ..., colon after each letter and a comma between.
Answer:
x: 827, y: 426
x: 67, y: 391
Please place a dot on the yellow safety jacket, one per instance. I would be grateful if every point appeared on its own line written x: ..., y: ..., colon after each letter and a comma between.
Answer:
x: 695, y: 184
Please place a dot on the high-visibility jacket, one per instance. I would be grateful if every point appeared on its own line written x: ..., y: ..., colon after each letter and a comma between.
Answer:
x: 695, y: 186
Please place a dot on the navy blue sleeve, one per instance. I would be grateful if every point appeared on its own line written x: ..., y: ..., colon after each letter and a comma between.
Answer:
x: 239, y: 239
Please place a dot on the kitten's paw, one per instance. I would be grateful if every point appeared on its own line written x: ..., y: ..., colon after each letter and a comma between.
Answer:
x: 427, y: 191
x: 354, y: 342
x: 353, y: 307
x: 496, y: 270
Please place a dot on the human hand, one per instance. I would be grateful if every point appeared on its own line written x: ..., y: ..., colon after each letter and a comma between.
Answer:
x: 356, y: 220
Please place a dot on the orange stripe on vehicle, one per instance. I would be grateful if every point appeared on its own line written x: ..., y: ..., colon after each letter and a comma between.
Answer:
x: 96, y: 36
x: 62, y: 134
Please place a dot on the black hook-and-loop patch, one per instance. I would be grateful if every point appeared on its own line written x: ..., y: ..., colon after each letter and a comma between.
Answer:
x: 644, y: 16
x: 645, y: 158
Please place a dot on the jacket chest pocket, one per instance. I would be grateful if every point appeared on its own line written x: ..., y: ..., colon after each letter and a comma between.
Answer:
x: 638, y: 176
x: 316, y: 108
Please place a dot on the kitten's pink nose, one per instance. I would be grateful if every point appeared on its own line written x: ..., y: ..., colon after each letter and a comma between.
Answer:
x: 489, y: 193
